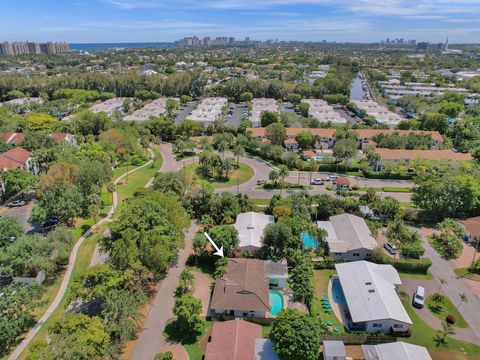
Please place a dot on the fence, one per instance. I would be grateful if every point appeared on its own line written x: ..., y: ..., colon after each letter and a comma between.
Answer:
x: 360, y: 339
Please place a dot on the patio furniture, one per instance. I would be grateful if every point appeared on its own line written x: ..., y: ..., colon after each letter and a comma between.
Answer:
x: 335, y: 329
x: 329, y: 322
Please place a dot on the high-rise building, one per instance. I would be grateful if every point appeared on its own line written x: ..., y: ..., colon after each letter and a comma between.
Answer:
x: 6, y: 48
x: 27, y: 47
x: 33, y: 48
x: 20, y: 48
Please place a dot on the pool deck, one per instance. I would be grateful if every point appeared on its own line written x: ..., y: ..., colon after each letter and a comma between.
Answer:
x: 338, y: 309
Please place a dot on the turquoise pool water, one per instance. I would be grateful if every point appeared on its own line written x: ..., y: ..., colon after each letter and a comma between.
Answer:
x: 319, y: 158
x: 276, y: 302
x: 309, y: 241
x: 337, y: 292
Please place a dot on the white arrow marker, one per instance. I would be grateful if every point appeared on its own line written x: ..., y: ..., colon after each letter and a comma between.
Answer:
x: 219, y: 251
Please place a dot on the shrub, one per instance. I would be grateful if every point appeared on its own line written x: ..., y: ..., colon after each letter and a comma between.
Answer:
x: 450, y: 319
x: 448, y: 246
x: 415, y: 266
x: 475, y: 267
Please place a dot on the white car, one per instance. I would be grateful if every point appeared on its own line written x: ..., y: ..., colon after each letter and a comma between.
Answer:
x: 419, y: 297
x: 391, y: 248
x: 316, y: 182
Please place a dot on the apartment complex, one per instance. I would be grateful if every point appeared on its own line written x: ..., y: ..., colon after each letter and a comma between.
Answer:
x: 380, y: 113
x: 32, y: 48
x: 260, y: 105
x: 109, y: 106
x: 156, y: 108
x: 324, y: 112
x: 209, y: 110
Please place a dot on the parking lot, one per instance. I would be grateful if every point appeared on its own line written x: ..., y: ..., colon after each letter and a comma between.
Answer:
x: 21, y: 213
x: 235, y: 114
x: 183, y: 112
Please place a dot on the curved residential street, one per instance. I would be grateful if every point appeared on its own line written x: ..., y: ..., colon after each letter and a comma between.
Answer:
x: 69, y: 269
x: 263, y: 168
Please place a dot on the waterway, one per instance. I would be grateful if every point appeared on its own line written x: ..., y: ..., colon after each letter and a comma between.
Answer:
x: 356, y: 89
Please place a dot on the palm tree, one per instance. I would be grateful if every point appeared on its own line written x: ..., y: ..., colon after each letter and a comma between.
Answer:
x: 238, y: 151
x: 463, y: 299
x: 274, y: 175
x: 283, y: 172
x: 227, y: 166
x: 447, y: 329
x: 442, y: 282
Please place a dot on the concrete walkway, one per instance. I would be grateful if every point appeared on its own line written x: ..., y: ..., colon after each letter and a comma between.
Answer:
x: 151, y: 339
x: 442, y: 268
x: 68, y: 273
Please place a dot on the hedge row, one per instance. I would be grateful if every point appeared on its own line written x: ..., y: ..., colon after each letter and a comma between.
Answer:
x: 416, y: 266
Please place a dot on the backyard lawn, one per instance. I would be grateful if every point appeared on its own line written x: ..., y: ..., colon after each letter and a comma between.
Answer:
x: 322, y: 278
x: 447, y: 309
x: 239, y: 176
x: 424, y: 335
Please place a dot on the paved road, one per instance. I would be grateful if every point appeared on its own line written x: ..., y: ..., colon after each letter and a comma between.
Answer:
x: 151, y: 339
x: 22, y: 214
x: 68, y: 273
x: 442, y: 268
x: 262, y: 170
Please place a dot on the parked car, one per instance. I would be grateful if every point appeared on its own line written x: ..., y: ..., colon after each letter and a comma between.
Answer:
x: 419, y: 297
x: 16, y: 203
x: 391, y: 248
x: 261, y: 182
x: 333, y: 177
x: 50, y: 224
x: 316, y: 182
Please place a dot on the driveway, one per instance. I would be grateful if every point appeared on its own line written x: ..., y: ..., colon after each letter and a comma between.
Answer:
x: 151, y: 340
x: 202, y: 290
x: 442, y: 268
x: 431, y: 287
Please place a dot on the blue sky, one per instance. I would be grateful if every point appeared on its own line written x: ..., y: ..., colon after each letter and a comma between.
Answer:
x: 310, y: 20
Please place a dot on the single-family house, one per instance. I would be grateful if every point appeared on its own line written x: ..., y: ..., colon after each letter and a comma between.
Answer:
x: 250, y: 226
x: 348, y: 237
x: 371, y: 301
x: 12, y: 137
x: 395, y: 351
x: 472, y: 230
x: 341, y: 184
x: 233, y: 340
x: 65, y: 137
x: 17, y: 158
x: 244, y: 289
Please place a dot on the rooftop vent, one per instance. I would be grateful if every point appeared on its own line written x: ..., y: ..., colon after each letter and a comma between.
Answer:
x: 250, y: 227
x: 368, y: 283
x: 371, y: 290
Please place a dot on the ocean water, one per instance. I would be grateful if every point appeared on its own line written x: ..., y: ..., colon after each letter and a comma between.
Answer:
x: 107, y: 46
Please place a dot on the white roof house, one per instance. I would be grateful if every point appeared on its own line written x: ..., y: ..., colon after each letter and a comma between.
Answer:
x: 370, y: 293
x: 395, y: 351
x: 250, y: 226
x: 348, y: 237
x: 109, y: 106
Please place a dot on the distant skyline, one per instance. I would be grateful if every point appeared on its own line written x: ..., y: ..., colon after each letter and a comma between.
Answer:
x: 92, y: 21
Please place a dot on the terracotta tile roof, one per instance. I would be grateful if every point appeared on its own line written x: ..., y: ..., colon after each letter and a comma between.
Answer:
x: 342, y: 181
x: 243, y: 287
x: 11, y: 137
x: 370, y: 133
x: 309, y: 153
x: 292, y: 132
x: 19, y: 154
x: 389, y: 154
x: 14, y: 158
x: 59, y: 136
x: 233, y: 340
x: 472, y: 225
x: 291, y: 141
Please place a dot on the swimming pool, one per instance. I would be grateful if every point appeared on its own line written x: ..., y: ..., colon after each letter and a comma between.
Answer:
x: 337, y: 292
x: 276, y: 302
x: 309, y: 241
x: 319, y: 158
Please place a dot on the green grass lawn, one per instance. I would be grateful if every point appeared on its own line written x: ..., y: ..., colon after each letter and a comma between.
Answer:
x: 396, y: 189
x: 191, y: 345
x: 463, y: 272
x: 260, y: 201
x: 447, y: 309
x: 408, y: 275
x: 243, y: 174
x: 321, y: 279
x: 136, y: 180
x: 424, y: 335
